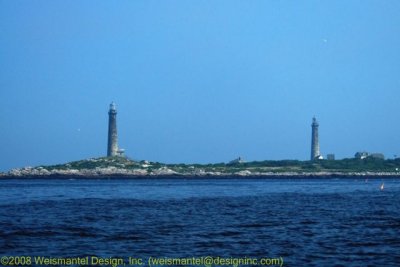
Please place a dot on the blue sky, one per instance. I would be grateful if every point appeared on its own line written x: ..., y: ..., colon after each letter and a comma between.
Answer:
x: 198, y: 81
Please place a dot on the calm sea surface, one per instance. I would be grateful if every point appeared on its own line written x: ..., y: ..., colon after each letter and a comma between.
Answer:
x: 310, y: 222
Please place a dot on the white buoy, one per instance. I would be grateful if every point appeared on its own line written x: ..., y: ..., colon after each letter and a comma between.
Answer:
x: 382, y: 186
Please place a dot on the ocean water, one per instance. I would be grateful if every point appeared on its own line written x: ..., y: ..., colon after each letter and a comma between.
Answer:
x: 305, y: 222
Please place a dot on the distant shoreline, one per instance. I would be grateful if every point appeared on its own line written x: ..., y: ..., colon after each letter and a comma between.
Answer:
x: 121, y: 167
x: 200, y: 177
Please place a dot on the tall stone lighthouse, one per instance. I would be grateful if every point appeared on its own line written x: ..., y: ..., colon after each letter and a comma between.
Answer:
x: 315, y: 153
x: 112, y: 147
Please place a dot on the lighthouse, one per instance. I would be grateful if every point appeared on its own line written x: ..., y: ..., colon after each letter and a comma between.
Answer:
x: 315, y: 153
x: 112, y: 146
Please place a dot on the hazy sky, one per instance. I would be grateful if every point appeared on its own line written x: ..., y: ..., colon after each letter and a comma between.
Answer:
x: 198, y: 81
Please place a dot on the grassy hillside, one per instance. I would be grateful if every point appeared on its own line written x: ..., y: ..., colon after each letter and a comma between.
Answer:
x: 344, y: 165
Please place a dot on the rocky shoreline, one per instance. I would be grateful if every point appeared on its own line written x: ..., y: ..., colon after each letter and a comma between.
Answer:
x: 107, y: 167
x: 168, y: 173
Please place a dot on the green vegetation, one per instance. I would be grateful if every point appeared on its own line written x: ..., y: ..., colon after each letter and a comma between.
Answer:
x: 344, y: 165
x: 256, y: 167
x: 104, y: 162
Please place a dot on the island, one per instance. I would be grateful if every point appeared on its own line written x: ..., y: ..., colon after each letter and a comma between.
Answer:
x: 116, y: 166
